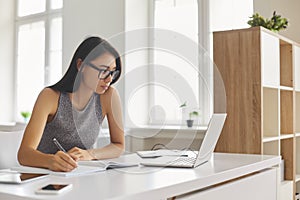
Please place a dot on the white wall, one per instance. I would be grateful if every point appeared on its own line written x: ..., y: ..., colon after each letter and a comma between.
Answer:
x: 229, y: 14
x: 288, y: 9
x: 7, y: 60
x: 108, y: 19
x: 103, y: 18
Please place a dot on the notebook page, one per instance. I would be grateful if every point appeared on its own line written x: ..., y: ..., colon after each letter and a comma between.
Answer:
x: 80, y: 170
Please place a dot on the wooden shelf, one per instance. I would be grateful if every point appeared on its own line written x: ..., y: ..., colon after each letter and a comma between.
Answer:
x: 287, y: 154
x: 270, y: 86
x: 270, y: 109
x: 261, y: 75
x: 286, y: 136
x: 281, y: 137
x: 271, y: 148
x: 286, y: 88
x: 286, y: 64
x: 270, y: 139
x: 286, y: 112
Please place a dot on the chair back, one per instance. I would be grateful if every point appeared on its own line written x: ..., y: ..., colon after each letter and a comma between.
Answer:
x: 10, y: 140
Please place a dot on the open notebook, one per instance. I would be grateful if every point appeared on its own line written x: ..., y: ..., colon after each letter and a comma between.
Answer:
x: 84, y: 167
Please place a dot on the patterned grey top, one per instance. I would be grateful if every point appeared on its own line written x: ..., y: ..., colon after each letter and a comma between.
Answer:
x: 73, y: 128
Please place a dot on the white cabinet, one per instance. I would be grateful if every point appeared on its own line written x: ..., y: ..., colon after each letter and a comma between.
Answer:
x: 259, y: 187
x: 286, y: 190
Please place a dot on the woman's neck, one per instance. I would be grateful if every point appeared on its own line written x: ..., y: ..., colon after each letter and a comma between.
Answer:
x: 81, y: 97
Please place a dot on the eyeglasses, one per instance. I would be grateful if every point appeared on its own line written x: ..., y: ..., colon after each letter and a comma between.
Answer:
x: 104, y: 73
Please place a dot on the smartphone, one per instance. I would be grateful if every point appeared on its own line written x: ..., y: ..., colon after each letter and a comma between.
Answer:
x: 54, y: 189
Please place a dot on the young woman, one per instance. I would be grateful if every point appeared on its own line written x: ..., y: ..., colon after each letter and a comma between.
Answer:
x: 72, y: 110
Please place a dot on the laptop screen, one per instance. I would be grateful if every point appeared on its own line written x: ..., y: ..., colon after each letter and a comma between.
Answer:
x: 211, y: 137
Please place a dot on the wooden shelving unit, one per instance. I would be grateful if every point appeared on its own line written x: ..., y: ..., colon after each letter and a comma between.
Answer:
x: 261, y: 74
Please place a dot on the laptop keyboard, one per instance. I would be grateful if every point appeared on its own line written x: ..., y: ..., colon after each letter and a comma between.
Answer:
x: 183, y: 161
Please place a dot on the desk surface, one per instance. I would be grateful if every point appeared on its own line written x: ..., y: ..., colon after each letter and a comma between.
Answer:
x: 146, y: 182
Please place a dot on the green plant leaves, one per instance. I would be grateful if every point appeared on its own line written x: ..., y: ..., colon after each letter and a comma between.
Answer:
x: 193, y: 113
x: 183, y: 105
x: 276, y: 23
x: 25, y: 114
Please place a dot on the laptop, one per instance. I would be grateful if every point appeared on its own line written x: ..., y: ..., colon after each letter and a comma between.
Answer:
x: 205, y: 151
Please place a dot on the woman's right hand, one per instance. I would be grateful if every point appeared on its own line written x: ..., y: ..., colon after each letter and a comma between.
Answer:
x: 62, y: 162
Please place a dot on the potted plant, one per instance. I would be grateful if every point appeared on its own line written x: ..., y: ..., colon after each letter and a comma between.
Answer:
x: 275, y: 24
x: 192, y: 114
x: 25, y: 115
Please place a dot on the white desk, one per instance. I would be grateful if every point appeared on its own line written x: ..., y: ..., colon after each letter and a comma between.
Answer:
x: 148, y: 182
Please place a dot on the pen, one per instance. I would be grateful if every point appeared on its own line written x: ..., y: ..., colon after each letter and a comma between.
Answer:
x: 58, y: 145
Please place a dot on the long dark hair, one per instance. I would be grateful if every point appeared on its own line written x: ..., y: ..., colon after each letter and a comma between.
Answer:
x: 88, y: 50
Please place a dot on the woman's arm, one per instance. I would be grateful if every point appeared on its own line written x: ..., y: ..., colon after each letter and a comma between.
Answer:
x: 45, y: 107
x: 113, y: 112
x: 111, y: 108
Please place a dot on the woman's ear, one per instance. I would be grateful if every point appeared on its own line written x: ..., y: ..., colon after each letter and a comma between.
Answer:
x: 78, y: 64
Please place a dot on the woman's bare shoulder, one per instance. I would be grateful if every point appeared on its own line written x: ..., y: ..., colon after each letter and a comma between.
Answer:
x: 109, y: 94
x: 108, y: 98
x: 49, y: 94
x: 111, y: 91
x: 48, y: 97
x: 47, y: 101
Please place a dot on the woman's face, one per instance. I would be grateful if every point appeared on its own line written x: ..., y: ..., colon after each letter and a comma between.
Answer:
x: 98, y: 73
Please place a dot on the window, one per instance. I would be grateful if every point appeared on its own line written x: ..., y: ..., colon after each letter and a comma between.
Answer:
x: 180, y: 17
x: 39, y: 49
x: 160, y: 78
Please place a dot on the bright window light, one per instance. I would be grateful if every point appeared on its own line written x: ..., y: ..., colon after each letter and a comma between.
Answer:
x: 56, y: 4
x: 29, y: 7
x: 180, y: 16
x: 30, y: 63
x: 39, y: 49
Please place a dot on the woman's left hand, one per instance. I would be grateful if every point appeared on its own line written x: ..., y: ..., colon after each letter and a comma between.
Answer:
x: 80, y: 154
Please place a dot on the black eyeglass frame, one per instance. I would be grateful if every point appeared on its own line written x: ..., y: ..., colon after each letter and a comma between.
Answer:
x: 113, y: 73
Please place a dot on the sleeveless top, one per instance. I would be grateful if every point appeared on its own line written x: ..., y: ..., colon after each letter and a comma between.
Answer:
x: 72, y: 128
